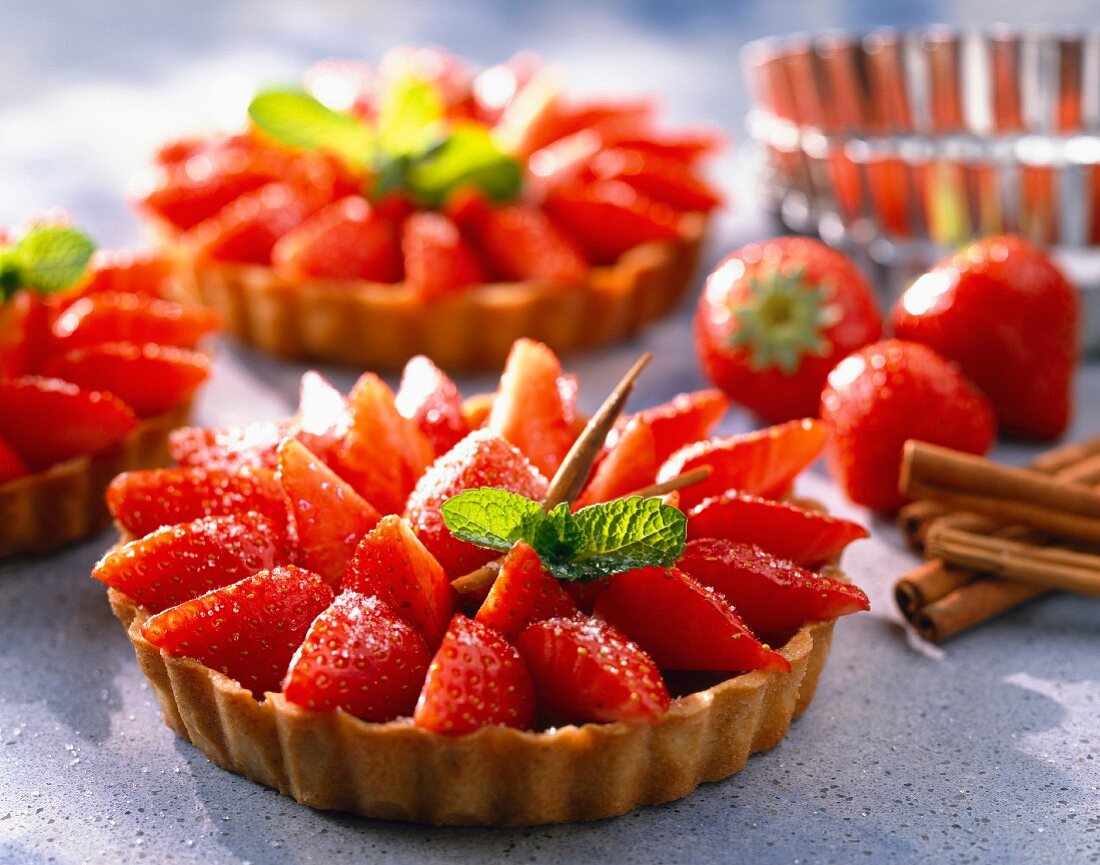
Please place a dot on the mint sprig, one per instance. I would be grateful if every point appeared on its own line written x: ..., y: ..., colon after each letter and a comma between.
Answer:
x: 595, y: 542
x: 295, y: 118
x: 468, y: 157
x: 48, y: 259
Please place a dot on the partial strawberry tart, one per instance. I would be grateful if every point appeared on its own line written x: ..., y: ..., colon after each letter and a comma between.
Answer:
x: 418, y: 207
x: 96, y: 368
x: 294, y: 601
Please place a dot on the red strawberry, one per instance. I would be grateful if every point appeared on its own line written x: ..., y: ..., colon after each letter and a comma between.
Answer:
x: 360, y: 657
x: 177, y: 563
x: 774, y: 597
x: 46, y: 421
x: 393, y: 564
x: 661, y: 177
x: 1004, y: 312
x: 523, y: 243
x: 323, y: 418
x: 629, y: 464
x: 143, y: 501
x: 476, y: 409
x: 524, y: 592
x: 429, y: 398
x: 329, y: 517
x: 348, y: 239
x: 127, y: 272
x: 125, y: 317
x: 475, y: 680
x: 11, y: 466
x: 248, y: 228
x: 438, y: 260
x: 805, y: 537
x: 687, y: 145
x: 686, y: 418
x: 762, y: 463
x: 149, y: 378
x: 479, y: 460
x: 585, y: 670
x: 248, y: 630
x: 775, y: 317
x: 534, y: 407
x: 383, y: 453
x: 889, y: 392
x: 709, y: 634
x: 256, y: 444
x: 24, y: 334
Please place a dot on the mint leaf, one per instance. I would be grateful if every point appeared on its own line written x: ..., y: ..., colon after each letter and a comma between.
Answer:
x: 625, y: 534
x: 467, y: 157
x: 410, y: 119
x: 295, y: 118
x: 556, y: 537
x: 491, y: 517
x: 47, y: 258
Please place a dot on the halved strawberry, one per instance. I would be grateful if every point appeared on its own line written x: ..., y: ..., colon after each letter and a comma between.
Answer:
x: 11, y: 466
x: 429, y: 398
x: 124, y: 317
x: 521, y: 242
x: 585, y: 670
x: 329, y: 516
x: 662, y: 178
x: 149, y: 378
x: 629, y: 464
x: 248, y: 630
x: 687, y: 145
x: 787, y: 531
x: 177, y: 563
x: 475, y: 680
x: 393, y: 564
x: 323, y: 417
x: 524, y: 592
x: 709, y: 634
x: 686, y: 418
x: 24, y: 334
x: 534, y: 406
x: 126, y: 271
x: 438, y: 259
x: 361, y: 657
x: 762, y: 463
x: 774, y: 596
x: 348, y: 239
x: 255, y: 444
x: 479, y: 460
x: 247, y: 229
x: 383, y: 453
x: 143, y: 501
x: 48, y: 421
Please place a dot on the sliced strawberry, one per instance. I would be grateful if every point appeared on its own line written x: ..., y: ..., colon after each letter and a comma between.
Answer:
x: 524, y: 592
x: 323, y: 418
x: 248, y: 228
x: 661, y: 178
x: 177, y: 563
x: 686, y: 418
x: 348, y: 239
x: 789, y: 532
x: 479, y: 460
x: 533, y: 408
x: 522, y: 243
x: 630, y: 464
x: 256, y: 445
x: 361, y: 657
x: 709, y: 634
x: 125, y: 317
x: 24, y: 334
x: 774, y: 596
x: 47, y: 421
x: 429, y: 398
x: 586, y: 670
x: 762, y: 463
x: 248, y: 630
x: 143, y: 501
x: 686, y: 145
x: 11, y: 466
x: 329, y: 517
x: 393, y: 564
x: 127, y: 271
x: 149, y: 378
x: 476, y: 679
x: 438, y: 259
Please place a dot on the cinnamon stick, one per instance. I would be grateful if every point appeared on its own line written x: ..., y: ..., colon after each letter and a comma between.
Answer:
x: 970, y: 604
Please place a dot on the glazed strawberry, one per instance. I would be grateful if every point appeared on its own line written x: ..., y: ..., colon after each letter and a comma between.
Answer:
x: 247, y: 229
x: 11, y: 466
x: 143, y: 501
x: 534, y: 407
x: 429, y: 398
x: 889, y: 392
x: 177, y: 563
x: 476, y: 679
x: 127, y: 317
x: 24, y: 334
x: 47, y: 421
x: 438, y: 259
x: 255, y: 445
x: 329, y: 517
x: 630, y: 464
x: 709, y: 633
x: 361, y: 657
x: 686, y: 418
x: 762, y: 463
x: 523, y: 592
x: 479, y: 460
x: 775, y: 317
x: 393, y: 564
x: 772, y: 595
x: 586, y: 670
x: 1003, y: 311
x: 348, y: 239
x: 660, y: 177
x: 787, y: 531
x: 248, y: 630
x: 383, y: 453
x: 521, y: 242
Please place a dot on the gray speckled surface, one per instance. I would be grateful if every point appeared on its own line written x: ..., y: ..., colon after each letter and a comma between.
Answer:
x: 984, y: 751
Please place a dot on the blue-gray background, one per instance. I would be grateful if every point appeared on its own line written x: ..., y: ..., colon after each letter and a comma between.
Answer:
x: 982, y: 752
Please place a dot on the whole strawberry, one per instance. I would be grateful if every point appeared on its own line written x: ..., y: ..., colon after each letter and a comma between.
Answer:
x: 1005, y: 313
x: 886, y: 393
x: 775, y: 317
